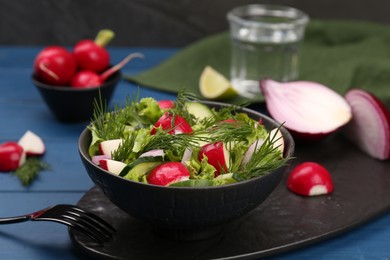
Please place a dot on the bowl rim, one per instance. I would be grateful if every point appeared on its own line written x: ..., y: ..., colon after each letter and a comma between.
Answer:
x: 109, y: 83
x: 285, y: 132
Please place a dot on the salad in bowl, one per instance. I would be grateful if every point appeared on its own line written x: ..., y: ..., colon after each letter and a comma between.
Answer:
x: 185, y: 167
x: 183, y: 143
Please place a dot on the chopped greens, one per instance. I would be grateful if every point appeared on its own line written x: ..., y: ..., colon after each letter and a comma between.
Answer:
x: 134, y: 123
x: 30, y: 170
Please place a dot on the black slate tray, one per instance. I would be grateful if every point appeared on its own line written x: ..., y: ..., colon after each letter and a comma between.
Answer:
x: 285, y: 221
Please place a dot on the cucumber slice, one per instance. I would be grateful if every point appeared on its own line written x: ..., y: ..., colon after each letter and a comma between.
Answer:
x: 199, y: 110
x: 226, y: 178
x: 193, y: 183
x: 140, y: 170
x: 138, y: 161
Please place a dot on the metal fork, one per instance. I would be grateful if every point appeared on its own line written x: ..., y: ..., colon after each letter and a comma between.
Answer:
x: 72, y: 216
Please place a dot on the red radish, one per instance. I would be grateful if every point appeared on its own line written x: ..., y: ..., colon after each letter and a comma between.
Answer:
x: 230, y: 121
x: 168, y: 173
x: 32, y: 144
x: 175, y: 125
x: 97, y: 158
x: 217, y: 155
x: 309, y: 110
x: 89, y: 79
x: 115, y: 167
x: 227, y: 121
x: 54, y: 65
x: 92, y: 55
x: 109, y: 146
x: 166, y: 104
x: 310, y: 179
x: 86, y: 79
x: 370, y: 125
x: 12, y: 156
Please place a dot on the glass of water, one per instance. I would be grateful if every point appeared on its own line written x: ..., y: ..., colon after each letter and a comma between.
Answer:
x: 265, y: 44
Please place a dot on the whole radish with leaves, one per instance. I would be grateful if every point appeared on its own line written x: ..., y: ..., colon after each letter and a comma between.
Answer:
x: 91, y: 54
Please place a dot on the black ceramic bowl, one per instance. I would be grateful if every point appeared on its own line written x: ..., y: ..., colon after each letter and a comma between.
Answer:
x: 75, y: 105
x: 187, y: 212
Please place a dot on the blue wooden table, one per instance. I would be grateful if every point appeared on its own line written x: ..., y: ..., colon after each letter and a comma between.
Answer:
x: 22, y: 108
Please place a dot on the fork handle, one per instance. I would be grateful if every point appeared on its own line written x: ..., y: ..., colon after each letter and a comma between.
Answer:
x: 14, y: 219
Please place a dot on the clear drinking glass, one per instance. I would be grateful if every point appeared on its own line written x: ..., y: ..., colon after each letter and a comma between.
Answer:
x: 265, y: 44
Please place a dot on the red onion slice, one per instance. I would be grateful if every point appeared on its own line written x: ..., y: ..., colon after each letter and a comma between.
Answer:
x: 307, y: 108
x: 370, y: 126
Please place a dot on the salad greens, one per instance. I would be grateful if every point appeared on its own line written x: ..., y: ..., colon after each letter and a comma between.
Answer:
x: 134, y: 123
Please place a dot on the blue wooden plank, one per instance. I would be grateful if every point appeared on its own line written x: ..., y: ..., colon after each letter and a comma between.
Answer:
x: 66, y: 173
x: 34, y: 240
x: 35, y: 116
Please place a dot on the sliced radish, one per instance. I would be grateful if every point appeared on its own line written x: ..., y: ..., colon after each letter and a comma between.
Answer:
x: 277, y: 138
x: 370, y: 125
x: 168, y: 173
x: 112, y: 166
x: 186, y: 156
x: 252, y: 148
x: 109, y: 146
x: 309, y: 110
x: 96, y: 159
x: 217, y: 155
x: 153, y: 153
x: 32, y: 144
x: 175, y: 124
x: 12, y: 156
x: 310, y: 179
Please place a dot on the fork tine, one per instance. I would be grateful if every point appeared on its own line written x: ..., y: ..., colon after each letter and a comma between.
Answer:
x: 82, y: 220
x: 88, y: 217
x: 96, y: 219
x: 97, y: 234
x: 72, y: 223
x: 88, y: 223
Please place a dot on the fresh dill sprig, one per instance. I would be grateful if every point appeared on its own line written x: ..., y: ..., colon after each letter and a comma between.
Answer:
x: 264, y: 160
x: 227, y: 132
x: 125, y: 149
x: 30, y: 170
x: 165, y: 141
x: 181, y: 100
x: 106, y: 125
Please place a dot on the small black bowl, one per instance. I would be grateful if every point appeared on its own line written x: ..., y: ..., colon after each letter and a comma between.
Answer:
x: 187, y: 213
x: 75, y: 105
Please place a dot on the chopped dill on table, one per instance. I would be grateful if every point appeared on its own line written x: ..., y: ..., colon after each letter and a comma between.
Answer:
x: 30, y: 170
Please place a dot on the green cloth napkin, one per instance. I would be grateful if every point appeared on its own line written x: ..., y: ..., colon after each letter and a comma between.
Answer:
x: 338, y: 54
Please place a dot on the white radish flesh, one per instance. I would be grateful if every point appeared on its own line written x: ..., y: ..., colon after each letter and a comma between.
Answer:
x: 186, y: 156
x: 252, y: 148
x: 32, y: 144
x: 109, y: 146
x: 96, y: 159
x: 277, y: 138
x: 114, y: 167
x: 153, y: 153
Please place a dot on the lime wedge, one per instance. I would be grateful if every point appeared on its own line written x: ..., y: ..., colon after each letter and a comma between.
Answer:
x: 213, y: 85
